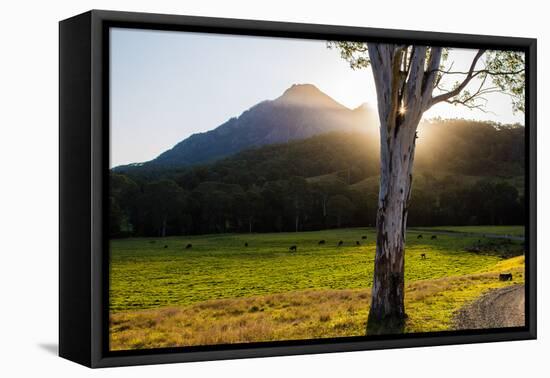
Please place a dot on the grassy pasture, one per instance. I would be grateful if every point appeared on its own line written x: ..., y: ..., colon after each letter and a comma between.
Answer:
x: 220, y: 291
x: 495, y: 230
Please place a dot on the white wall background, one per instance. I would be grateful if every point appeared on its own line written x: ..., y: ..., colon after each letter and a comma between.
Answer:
x: 29, y: 188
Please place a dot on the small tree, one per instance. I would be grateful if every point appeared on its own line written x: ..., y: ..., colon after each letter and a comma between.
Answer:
x: 252, y: 207
x: 408, y: 81
x: 340, y: 207
x: 297, y: 199
x: 162, y: 200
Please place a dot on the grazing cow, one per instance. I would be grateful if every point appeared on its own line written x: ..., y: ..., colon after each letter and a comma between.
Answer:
x: 321, y: 242
x: 189, y: 246
x: 422, y: 256
x: 419, y: 236
x: 505, y: 277
x: 165, y: 246
x: 293, y: 248
x: 357, y: 243
x: 434, y: 237
x: 340, y: 243
x: 364, y: 237
x: 246, y: 244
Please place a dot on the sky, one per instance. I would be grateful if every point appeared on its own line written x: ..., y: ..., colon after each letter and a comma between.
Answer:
x: 168, y: 85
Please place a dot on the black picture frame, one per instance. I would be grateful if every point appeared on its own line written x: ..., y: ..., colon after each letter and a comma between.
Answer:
x: 83, y: 167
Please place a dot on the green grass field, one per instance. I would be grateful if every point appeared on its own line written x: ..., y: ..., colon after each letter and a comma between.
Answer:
x: 494, y: 230
x: 220, y: 291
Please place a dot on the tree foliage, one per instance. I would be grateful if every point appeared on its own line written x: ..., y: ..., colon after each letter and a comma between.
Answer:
x: 491, y: 71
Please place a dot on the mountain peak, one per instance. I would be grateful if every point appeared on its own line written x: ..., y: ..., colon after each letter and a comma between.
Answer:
x: 303, y: 89
x: 308, y: 95
x: 300, y: 112
x: 364, y: 107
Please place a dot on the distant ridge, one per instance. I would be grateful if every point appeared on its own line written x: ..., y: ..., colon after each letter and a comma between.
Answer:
x: 300, y: 112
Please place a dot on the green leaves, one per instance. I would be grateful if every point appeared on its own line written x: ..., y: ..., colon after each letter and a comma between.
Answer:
x: 355, y: 53
x: 507, y: 71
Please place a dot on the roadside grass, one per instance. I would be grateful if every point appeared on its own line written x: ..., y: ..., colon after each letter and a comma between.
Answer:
x: 431, y: 304
x: 145, y: 275
x: 305, y: 314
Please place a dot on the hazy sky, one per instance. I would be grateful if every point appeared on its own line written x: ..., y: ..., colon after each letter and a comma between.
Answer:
x: 166, y: 86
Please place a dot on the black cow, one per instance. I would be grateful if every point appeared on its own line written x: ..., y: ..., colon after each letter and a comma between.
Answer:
x: 321, y: 242
x: 246, y: 244
x: 189, y: 246
x: 340, y: 243
x: 505, y: 277
x: 357, y: 243
x: 293, y: 248
x: 419, y: 236
x: 434, y: 237
x: 422, y: 256
x: 165, y: 246
x: 364, y: 237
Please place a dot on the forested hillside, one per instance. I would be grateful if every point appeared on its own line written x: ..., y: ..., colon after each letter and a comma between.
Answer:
x: 466, y: 173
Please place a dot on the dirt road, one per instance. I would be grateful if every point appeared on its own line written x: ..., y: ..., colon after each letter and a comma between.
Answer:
x: 498, y: 308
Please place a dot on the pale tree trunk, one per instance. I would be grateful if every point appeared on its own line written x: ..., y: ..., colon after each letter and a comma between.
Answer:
x: 163, y: 228
x: 387, y: 313
x: 403, y: 90
x: 324, y: 200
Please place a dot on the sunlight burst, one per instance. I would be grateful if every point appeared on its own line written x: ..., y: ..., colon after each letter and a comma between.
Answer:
x: 402, y: 109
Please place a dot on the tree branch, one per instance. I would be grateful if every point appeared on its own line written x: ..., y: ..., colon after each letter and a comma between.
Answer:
x: 456, y: 91
x: 413, y: 90
x: 477, y: 72
x: 431, y: 76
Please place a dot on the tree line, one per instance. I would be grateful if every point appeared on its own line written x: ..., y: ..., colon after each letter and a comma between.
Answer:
x: 323, y: 182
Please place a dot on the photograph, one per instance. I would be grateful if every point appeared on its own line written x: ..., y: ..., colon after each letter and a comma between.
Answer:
x: 269, y: 189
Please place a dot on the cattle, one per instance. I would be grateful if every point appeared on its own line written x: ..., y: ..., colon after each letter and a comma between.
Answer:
x: 340, y: 243
x: 189, y: 246
x: 357, y: 243
x: 165, y: 246
x: 422, y: 256
x: 321, y: 242
x: 505, y: 277
x: 364, y: 237
x: 434, y: 237
x: 246, y: 244
x: 293, y: 248
x: 419, y: 236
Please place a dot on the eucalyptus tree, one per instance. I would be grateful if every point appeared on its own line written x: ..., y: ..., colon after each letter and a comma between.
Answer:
x: 409, y: 80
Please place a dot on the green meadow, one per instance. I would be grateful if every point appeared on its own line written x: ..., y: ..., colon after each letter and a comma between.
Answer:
x: 221, y: 291
x: 494, y: 230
